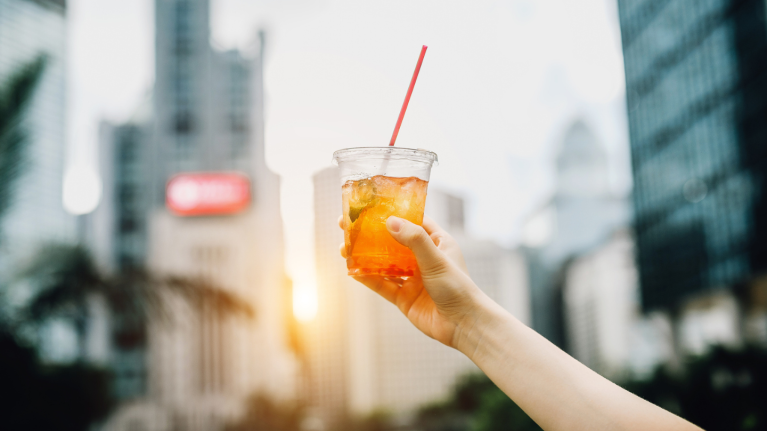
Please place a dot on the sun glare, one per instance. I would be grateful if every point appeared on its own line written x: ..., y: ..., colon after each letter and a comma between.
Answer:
x: 305, y: 303
x: 82, y: 190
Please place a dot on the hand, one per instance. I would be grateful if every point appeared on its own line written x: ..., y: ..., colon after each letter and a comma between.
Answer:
x: 440, y: 297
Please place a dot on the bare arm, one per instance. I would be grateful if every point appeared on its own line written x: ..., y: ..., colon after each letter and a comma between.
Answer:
x: 556, y: 391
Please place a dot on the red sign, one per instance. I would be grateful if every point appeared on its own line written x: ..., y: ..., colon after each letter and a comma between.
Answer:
x: 197, y: 194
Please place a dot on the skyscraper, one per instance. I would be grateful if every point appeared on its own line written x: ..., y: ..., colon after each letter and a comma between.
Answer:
x: 361, y: 353
x: 696, y: 80
x: 29, y: 29
x: 117, y: 238
x: 190, y: 195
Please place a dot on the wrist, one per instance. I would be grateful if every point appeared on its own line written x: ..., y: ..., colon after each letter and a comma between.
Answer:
x: 474, y: 330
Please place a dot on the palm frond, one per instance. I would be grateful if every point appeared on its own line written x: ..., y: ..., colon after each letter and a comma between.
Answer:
x: 15, y: 95
x: 137, y: 292
x: 64, y: 276
x: 200, y: 291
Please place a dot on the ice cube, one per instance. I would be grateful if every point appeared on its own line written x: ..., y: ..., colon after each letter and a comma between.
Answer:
x: 363, y: 192
x: 363, y: 196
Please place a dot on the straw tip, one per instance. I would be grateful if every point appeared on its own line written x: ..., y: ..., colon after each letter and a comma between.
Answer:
x: 424, y: 47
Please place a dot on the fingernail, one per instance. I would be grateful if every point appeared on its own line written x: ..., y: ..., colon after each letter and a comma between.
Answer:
x: 394, y: 224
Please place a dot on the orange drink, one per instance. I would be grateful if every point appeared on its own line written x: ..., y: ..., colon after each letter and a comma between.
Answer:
x: 378, y: 183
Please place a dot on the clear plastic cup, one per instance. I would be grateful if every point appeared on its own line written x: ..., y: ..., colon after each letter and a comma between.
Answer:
x: 376, y: 183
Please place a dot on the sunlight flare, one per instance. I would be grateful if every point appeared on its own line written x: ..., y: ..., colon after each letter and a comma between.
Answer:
x: 305, y: 303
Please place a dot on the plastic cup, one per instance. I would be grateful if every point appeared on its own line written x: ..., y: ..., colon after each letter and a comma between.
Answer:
x: 376, y: 183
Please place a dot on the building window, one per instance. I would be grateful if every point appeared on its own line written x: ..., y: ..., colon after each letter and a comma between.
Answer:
x: 183, y: 123
x: 183, y: 28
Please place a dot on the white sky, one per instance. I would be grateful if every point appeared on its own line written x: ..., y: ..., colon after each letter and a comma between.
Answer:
x: 500, y: 82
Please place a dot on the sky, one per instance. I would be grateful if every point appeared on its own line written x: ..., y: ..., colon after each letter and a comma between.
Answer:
x: 500, y: 83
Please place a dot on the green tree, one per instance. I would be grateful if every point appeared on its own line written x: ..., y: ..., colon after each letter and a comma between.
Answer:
x: 16, y: 94
x: 36, y: 396
x: 725, y: 389
x: 497, y: 412
x: 475, y: 404
x: 64, y: 277
x: 265, y: 414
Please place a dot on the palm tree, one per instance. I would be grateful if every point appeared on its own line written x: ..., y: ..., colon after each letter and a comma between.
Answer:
x: 35, y: 396
x: 64, y: 278
x: 16, y: 94
x: 15, y: 97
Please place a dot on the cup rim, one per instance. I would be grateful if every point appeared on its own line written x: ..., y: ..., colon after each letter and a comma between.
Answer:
x: 393, y: 153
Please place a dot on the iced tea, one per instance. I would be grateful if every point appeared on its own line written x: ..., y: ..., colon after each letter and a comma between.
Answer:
x: 367, y: 203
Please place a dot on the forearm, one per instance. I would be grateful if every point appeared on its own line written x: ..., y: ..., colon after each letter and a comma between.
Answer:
x: 557, y: 391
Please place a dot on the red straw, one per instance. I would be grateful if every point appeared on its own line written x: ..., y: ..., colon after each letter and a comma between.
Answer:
x: 407, y: 97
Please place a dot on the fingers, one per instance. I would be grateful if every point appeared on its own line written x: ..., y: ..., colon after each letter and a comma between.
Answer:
x: 430, y: 258
x: 430, y: 225
x: 437, y: 234
x: 342, y: 246
x: 445, y: 242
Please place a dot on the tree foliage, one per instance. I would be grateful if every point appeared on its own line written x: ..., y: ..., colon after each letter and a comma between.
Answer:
x: 16, y: 93
x: 266, y: 414
x: 63, y: 277
x: 498, y: 412
x: 725, y: 389
x: 475, y: 404
x: 36, y: 396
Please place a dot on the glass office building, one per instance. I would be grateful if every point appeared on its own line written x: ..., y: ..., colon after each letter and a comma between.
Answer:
x: 118, y: 235
x: 696, y: 80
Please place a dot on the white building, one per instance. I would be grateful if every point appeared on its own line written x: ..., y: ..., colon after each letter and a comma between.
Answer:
x: 361, y: 353
x: 606, y: 329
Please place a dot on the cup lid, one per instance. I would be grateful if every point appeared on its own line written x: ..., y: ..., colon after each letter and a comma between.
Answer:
x: 392, y: 153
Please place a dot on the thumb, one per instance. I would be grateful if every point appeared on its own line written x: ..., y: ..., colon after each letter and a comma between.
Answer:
x: 430, y: 258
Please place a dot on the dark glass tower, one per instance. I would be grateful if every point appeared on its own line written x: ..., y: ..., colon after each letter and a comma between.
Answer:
x: 696, y: 80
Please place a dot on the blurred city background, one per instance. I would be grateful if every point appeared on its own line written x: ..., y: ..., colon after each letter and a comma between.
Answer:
x: 168, y: 239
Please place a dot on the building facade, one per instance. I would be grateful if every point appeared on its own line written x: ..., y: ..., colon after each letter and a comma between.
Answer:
x: 605, y: 327
x: 361, y: 354
x: 696, y: 79
x: 29, y: 29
